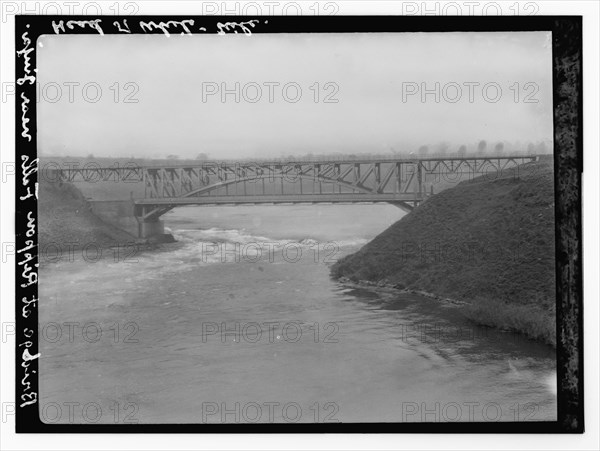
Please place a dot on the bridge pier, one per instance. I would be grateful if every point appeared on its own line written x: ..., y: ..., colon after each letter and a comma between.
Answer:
x: 126, y: 216
x: 150, y: 228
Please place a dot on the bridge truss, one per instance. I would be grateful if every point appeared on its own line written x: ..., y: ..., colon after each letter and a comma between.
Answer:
x: 404, y: 183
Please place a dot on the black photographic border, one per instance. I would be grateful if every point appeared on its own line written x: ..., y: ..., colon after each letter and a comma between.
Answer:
x: 568, y: 165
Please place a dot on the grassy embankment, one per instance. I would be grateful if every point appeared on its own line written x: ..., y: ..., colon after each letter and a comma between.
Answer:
x: 65, y: 220
x: 488, y: 243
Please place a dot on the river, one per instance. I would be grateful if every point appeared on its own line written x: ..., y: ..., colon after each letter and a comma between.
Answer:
x: 187, y: 334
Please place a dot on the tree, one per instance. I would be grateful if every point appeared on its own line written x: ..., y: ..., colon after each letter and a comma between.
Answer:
x: 423, y: 151
x: 202, y: 157
x: 481, y: 147
x: 172, y: 157
x: 541, y: 148
x: 442, y: 148
x: 462, y: 151
x: 499, y: 149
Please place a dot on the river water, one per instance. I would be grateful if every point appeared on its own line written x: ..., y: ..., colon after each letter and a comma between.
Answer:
x: 207, y: 330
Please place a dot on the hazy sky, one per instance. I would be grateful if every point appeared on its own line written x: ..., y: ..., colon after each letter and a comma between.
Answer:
x: 374, y: 75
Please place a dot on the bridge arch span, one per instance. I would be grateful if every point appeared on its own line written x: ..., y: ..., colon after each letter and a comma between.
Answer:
x: 401, y: 182
x: 153, y: 212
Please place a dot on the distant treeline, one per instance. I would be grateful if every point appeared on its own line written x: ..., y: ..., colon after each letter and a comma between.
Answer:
x: 441, y: 150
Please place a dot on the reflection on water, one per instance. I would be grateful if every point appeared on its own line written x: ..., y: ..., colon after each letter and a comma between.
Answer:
x: 207, y: 330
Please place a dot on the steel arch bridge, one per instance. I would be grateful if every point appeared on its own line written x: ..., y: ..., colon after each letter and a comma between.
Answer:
x: 401, y: 182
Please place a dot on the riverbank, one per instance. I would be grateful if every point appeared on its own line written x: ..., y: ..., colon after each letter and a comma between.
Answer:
x: 486, y: 245
x: 67, y: 225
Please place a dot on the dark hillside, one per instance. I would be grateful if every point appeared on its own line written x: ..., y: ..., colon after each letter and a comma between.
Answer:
x: 488, y: 242
x: 66, y: 222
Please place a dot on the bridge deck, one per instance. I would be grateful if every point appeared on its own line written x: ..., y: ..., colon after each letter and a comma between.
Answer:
x: 281, y: 199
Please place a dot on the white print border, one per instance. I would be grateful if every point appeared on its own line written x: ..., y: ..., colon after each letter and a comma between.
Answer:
x: 566, y: 44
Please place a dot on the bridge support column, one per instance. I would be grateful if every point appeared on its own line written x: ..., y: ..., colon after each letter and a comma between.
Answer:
x: 150, y: 228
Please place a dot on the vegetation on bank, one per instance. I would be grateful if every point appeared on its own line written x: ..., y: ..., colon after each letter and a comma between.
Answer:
x: 66, y: 223
x: 488, y: 242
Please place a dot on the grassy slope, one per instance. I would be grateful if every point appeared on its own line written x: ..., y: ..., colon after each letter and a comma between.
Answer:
x: 489, y: 242
x: 64, y: 218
